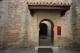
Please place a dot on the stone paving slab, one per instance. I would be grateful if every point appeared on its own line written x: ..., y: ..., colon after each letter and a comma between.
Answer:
x: 45, y: 50
x: 19, y: 50
x: 32, y: 50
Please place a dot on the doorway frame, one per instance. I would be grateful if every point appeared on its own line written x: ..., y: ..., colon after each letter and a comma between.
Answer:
x: 52, y: 31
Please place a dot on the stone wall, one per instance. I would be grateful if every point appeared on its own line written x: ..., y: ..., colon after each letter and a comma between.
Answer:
x: 3, y: 20
x: 16, y: 28
x: 19, y: 26
x: 67, y: 40
x: 76, y: 23
x: 65, y: 22
x: 12, y: 23
x: 17, y: 15
x: 15, y: 24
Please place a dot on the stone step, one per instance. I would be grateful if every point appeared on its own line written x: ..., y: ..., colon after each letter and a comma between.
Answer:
x: 45, y: 50
x: 53, y: 47
x: 45, y: 42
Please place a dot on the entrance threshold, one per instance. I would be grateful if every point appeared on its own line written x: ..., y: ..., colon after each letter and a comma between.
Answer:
x: 45, y: 50
x: 37, y: 47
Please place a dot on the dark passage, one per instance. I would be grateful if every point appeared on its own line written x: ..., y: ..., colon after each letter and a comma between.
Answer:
x: 43, y: 30
x: 45, y: 50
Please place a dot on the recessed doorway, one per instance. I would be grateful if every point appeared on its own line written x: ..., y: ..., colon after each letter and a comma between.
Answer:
x: 46, y: 32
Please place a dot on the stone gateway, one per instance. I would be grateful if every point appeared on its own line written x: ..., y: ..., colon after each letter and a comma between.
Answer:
x: 28, y: 23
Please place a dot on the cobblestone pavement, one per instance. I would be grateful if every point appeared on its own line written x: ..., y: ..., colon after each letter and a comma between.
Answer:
x: 32, y: 50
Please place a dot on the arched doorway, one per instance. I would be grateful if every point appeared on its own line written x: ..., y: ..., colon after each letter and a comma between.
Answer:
x: 46, y: 33
x: 43, y: 30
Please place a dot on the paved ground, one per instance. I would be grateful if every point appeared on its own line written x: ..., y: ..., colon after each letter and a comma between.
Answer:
x: 32, y: 50
x: 20, y: 50
x: 45, y: 50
